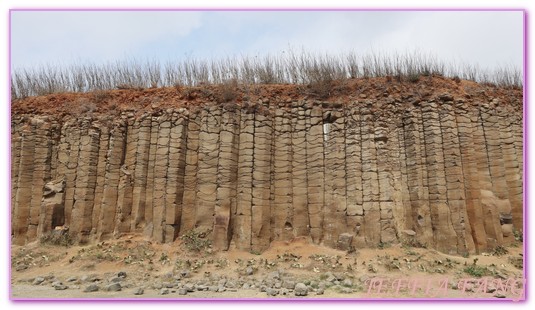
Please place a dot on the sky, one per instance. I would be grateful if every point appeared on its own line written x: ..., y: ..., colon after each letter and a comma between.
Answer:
x: 487, y: 38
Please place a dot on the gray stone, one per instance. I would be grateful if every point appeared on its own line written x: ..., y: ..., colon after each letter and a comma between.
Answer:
x: 139, y: 291
x: 121, y: 274
x: 168, y: 285
x: 182, y: 291
x: 21, y: 267
x: 114, y: 287
x: 347, y: 283
x: 300, y: 289
x: 499, y: 295
x: 60, y: 287
x: 116, y: 279
x: 409, y: 232
x: 288, y: 284
x: 72, y: 279
x: 213, y: 289
x: 320, y: 291
x: 189, y: 287
x: 246, y: 286
x: 272, y: 292
x: 329, y: 277
x: 164, y: 291
x: 91, y: 288
x: 230, y: 284
x: 346, y: 290
x: 284, y: 291
x: 38, y: 280
x: 249, y: 271
x: 202, y: 288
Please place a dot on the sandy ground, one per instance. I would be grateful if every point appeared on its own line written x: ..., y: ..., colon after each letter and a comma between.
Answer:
x: 394, y: 271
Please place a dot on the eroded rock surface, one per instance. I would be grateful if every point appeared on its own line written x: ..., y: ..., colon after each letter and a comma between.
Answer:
x: 351, y: 175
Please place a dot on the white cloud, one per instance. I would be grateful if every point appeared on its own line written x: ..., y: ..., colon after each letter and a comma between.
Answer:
x: 483, y: 37
x: 45, y: 36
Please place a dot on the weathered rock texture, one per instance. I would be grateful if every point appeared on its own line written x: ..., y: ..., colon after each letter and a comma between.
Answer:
x: 347, y: 175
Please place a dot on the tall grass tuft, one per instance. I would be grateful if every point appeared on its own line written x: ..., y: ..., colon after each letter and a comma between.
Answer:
x: 318, y: 71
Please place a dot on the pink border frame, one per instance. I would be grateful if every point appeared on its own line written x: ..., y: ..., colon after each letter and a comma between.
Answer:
x: 290, y: 300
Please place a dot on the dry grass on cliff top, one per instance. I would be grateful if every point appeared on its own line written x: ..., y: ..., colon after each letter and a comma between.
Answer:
x: 381, y: 90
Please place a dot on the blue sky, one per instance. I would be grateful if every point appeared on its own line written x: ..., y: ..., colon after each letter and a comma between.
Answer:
x: 486, y: 38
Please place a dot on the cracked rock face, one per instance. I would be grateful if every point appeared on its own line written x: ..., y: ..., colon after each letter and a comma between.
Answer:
x: 444, y: 174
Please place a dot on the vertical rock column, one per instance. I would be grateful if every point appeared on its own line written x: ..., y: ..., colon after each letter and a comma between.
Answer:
x: 370, y: 181
x: 497, y: 167
x: 24, y: 185
x: 104, y: 133
x: 353, y: 161
x: 226, y: 179
x: 207, y: 168
x: 281, y: 214
x: 41, y: 171
x: 114, y: 161
x: 300, y: 221
x: 261, y: 207
x: 242, y: 222
x: 315, y: 173
x: 491, y: 217
x: 335, y: 176
x: 466, y: 122
x: 385, y: 179
x: 86, y: 178
x: 455, y: 184
x: 187, y: 220
x: 16, y: 138
x: 444, y: 235
x: 415, y: 165
x: 69, y: 155
x: 513, y: 173
x: 161, y: 163
x: 141, y: 133
x: 174, y: 190
x: 123, y: 217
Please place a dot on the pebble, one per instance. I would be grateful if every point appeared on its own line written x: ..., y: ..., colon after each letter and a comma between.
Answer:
x: 272, y: 292
x: 139, y: 291
x: 289, y: 285
x: 164, y: 291
x: 91, y: 288
x: 300, y: 289
x: 114, y: 287
x: 38, y: 280
x: 182, y: 291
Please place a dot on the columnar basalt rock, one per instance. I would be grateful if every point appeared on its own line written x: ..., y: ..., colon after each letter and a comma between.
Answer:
x: 445, y: 173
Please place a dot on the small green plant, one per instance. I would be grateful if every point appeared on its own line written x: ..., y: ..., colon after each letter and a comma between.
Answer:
x: 196, y: 241
x: 383, y: 245
x: 518, y: 262
x: 519, y: 236
x: 476, y: 271
x: 59, y: 238
x: 499, y: 251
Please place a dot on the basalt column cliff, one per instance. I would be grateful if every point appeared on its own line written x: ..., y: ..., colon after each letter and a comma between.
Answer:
x: 441, y: 170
